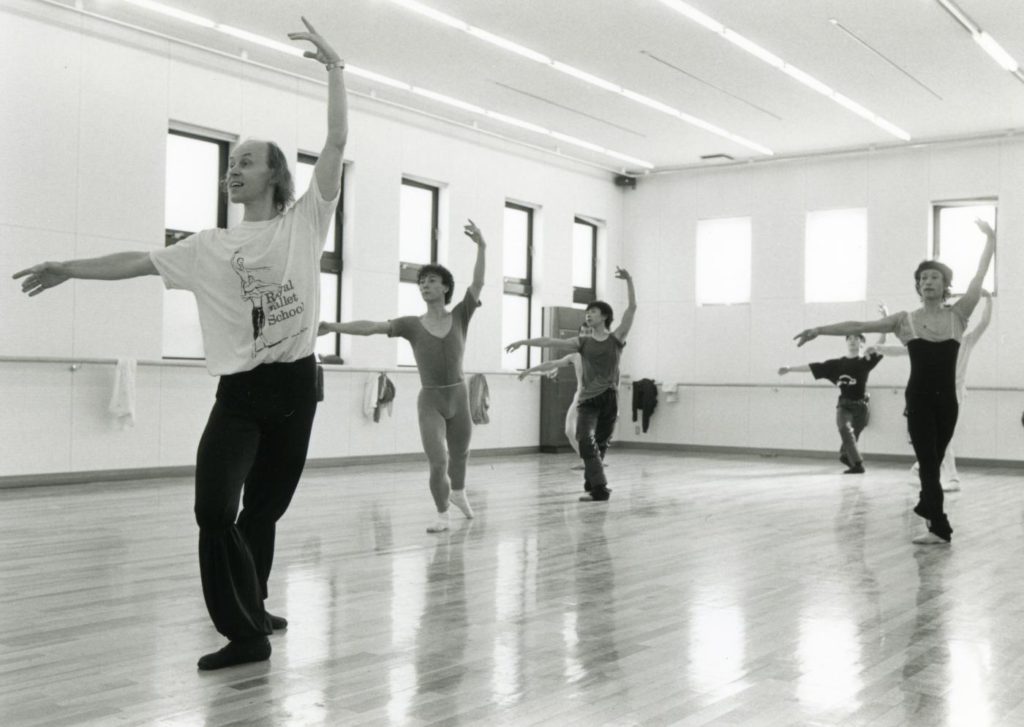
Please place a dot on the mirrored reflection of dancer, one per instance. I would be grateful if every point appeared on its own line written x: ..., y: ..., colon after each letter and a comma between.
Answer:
x: 932, y: 335
x: 438, y: 340
x: 948, y: 473
x: 598, y: 406
x: 254, y: 446
x: 850, y: 373
x: 550, y: 369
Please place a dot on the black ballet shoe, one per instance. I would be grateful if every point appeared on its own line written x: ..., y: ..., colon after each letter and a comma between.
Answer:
x: 855, y: 469
x: 235, y: 653
x: 845, y: 460
x: 278, y: 623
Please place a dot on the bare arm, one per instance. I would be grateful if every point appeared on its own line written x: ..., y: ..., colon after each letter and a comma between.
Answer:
x: 883, y: 309
x: 473, y: 233
x: 802, y: 368
x: 328, y: 165
x: 118, y: 266
x: 886, y: 350
x: 627, y: 317
x: 547, y: 366
x: 354, y: 328
x: 882, y: 325
x: 969, y: 300
x: 567, y: 344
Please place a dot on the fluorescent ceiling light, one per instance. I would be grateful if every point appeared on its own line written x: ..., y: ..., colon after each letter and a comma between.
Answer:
x: 173, y: 13
x: 394, y: 83
x: 986, y: 41
x: 790, y: 70
x: 597, y: 81
x: 998, y: 53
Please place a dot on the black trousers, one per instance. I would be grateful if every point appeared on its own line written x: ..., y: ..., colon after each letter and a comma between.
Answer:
x: 595, y: 422
x: 253, y: 450
x: 931, y: 419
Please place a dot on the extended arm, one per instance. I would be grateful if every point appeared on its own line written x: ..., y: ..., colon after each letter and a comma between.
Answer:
x: 887, y: 350
x: 566, y: 344
x: 328, y: 165
x: 802, y: 368
x: 883, y: 309
x: 882, y: 325
x: 118, y: 266
x: 473, y: 233
x: 969, y: 300
x: 627, y: 317
x: 354, y: 328
x: 547, y: 366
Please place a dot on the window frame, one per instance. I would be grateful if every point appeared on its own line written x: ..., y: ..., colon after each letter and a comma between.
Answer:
x: 332, y: 261
x: 586, y: 296
x: 523, y: 287
x: 935, y: 243
x: 408, y: 272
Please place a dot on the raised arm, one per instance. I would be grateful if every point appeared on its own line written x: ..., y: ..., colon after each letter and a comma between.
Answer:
x: 846, y: 328
x: 328, y: 165
x: 354, y: 328
x: 883, y: 310
x: 118, y: 266
x: 627, y: 317
x: 566, y: 344
x: 473, y: 233
x: 969, y: 300
x: 547, y: 366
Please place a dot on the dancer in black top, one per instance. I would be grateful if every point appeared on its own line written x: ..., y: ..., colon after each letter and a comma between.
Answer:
x: 850, y: 374
x: 932, y: 335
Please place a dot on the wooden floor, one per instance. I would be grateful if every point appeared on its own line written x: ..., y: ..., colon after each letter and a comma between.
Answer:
x: 742, y: 592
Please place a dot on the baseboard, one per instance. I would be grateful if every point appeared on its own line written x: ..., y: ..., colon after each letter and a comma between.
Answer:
x: 802, y: 453
x: 157, y: 473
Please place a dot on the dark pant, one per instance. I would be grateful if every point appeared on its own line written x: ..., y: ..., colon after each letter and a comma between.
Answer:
x: 931, y: 418
x: 257, y: 437
x: 595, y: 423
x: 851, y: 418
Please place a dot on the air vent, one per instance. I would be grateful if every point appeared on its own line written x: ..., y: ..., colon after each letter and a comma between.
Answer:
x: 716, y: 158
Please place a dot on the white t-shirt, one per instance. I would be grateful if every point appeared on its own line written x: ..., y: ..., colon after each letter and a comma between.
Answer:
x: 257, y: 284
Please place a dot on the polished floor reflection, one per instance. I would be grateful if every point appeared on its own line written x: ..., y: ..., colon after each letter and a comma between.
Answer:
x: 732, y: 591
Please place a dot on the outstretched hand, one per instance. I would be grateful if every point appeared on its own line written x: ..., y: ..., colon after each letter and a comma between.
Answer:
x: 513, y: 346
x: 883, y: 309
x: 804, y: 336
x: 40, y: 277
x: 323, y: 53
x: 471, y: 231
x: 985, y: 227
x: 783, y: 370
x: 322, y: 329
x: 622, y: 273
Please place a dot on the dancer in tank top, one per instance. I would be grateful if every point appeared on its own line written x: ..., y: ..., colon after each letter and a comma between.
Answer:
x: 932, y: 335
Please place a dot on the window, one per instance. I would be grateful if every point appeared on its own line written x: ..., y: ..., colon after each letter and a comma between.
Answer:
x: 584, y: 261
x: 958, y: 242
x: 330, y: 260
x: 723, y: 261
x: 517, y: 264
x: 836, y: 256
x: 194, y: 201
x: 417, y: 246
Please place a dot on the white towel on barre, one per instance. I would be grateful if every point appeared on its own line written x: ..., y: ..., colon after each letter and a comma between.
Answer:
x: 122, y: 400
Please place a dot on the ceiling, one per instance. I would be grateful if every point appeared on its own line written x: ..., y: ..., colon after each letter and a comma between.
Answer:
x: 934, y: 81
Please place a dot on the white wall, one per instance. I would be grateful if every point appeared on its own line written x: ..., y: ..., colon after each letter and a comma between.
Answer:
x: 82, y: 140
x: 673, y: 340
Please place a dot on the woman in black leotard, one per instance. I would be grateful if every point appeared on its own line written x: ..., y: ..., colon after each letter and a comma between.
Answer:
x: 932, y: 335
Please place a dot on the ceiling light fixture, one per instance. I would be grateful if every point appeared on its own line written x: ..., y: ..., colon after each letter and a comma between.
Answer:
x: 581, y: 75
x: 394, y: 83
x: 790, y: 70
x: 989, y: 44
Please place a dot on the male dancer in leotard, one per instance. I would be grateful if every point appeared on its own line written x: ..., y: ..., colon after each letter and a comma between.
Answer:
x: 932, y: 335
x: 438, y: 341
x: 598, y: 406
